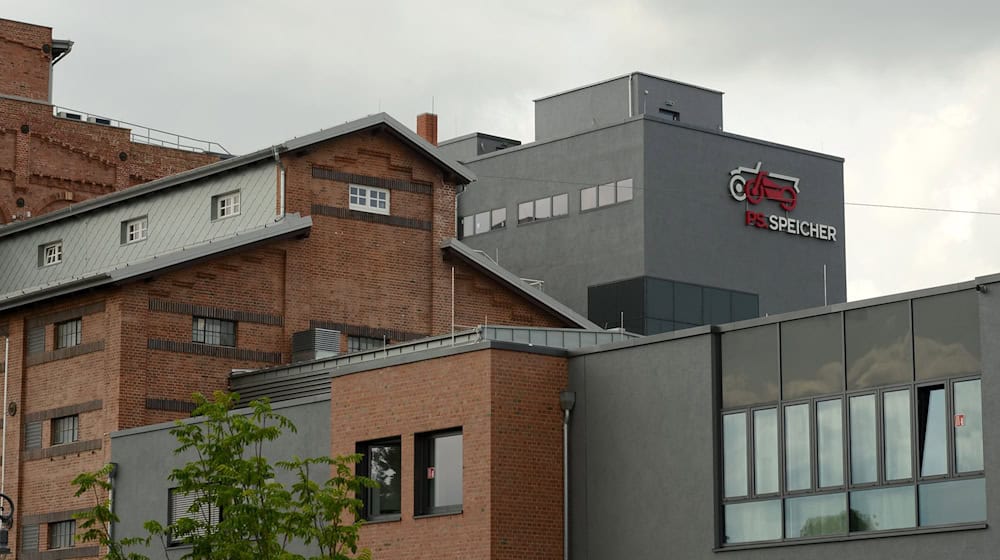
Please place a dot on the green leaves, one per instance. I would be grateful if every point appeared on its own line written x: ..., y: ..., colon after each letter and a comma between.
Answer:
x: 239, y: 510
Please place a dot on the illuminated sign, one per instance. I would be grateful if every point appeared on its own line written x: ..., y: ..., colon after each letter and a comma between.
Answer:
x: 754, y: 186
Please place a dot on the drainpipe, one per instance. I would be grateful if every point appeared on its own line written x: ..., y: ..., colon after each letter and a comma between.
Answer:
x: 567, y: 399
x: 3, y: 410
x: 111, y: 498
x: 458, y: 220
x: 281, y: 185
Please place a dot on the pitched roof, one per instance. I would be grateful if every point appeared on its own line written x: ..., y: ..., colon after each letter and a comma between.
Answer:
x: 510, y: 280
x: 458, y: 172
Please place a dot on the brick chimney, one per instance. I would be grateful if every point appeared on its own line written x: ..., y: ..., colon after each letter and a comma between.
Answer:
x: 427, y: 127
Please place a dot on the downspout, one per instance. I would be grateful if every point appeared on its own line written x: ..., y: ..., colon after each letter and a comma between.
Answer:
x: 281, y: 185
x: 3, y: 410
x: 567, y: 399
x: 458, y: 220
x: 111, y: 499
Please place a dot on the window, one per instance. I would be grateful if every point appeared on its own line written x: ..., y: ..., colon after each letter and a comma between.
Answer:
x: 65, y: 429
x: 182, y: 506
x: 50, y: 253
x: 69, y: 333
x: 226, y: 205
x: 134, y: 230
x: 672, y: 115
x: 362, y: 343
x: 382, y: 462
x: 483, y: 222
x: 61, y: 534
x: 438, y: 472
x: 369, y: 199
x: 213, y: 331
x: 543, y: 208
x: 863, y: 444
x: 606, y: 194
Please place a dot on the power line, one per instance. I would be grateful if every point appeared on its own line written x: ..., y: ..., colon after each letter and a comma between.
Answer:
x: 923, y: 208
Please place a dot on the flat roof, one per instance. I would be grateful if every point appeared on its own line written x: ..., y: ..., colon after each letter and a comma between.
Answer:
x: 564, y: 92
x: 477, y: 135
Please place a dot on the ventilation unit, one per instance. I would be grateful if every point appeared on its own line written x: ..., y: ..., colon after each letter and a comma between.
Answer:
x: 99, y: 120
x: 315, y: 344
x: 70, y: 116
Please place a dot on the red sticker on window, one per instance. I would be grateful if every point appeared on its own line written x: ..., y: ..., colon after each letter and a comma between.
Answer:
x: 959, y: 420
x: 430, y: 473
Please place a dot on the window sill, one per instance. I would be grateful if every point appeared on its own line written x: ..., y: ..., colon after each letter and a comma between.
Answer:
x: 440, y: 514
x: 856, y: 537
x: 384, y: 519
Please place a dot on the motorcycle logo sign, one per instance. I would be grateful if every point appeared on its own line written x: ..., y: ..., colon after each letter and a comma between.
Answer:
x: 763, y: 185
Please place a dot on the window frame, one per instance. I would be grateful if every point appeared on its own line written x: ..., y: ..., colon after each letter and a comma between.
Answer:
x: 358, y: 343
x: 65, y: 531
x: 534, y: 204
x: 617, y: 188
x: 214, y: 517
x: 364, y: 469
x: 48, y: 258
x: 58, y: 430
x: 226, y: 205
x: 355, y: 196
x: 127, y: 230
x: 76, y: 333
x: 205, y: 331
x: 421, y: 459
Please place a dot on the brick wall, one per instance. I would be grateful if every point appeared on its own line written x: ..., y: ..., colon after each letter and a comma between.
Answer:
x: 24, y: 62
x: 507, y: 405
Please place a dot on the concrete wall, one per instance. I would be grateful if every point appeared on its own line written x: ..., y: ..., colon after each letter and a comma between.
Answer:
x: 469, y: 146
x: 644, y: 464
x: 697, y: 106
x: 145, y: 459
x: 690, y: 216
x: 582, y: 109
x: 571, y: 252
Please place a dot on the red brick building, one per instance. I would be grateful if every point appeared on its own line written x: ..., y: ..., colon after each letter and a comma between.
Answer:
x: 51, y: 157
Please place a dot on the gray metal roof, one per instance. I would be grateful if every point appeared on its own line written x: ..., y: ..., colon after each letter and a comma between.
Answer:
x: 381, y: 119
x: 291, y: 225
x: 508, y: 278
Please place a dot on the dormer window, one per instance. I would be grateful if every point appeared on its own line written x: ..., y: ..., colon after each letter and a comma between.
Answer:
x: 134, y: 230
x: 226, y: 205
x: 50, y: 253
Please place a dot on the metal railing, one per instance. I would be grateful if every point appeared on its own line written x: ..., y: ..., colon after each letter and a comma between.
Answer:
x: 144, y: 134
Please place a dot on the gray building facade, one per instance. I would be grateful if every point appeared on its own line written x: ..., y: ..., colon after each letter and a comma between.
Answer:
x: 635, y: 208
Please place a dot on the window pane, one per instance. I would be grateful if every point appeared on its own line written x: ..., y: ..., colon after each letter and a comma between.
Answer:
x: 716, y: 308
x: 797, y: 448
x: 750, y: 366
x: 482, y: 222
x: 812, y: 361
x: 499, y: 218
x: 468, y: 226
x: 744, y: 306
x: 624, y: 190
x: 543, y: 208
x: 879, y: 347
x: 896, y: 423
x: 687, y: 303
x: 863, y: 443
x: 734, y: 443
x: 933, y: 432
x: 765, y: 442
x: 606, y: 194
x: 525, y: 211
x: 560, y: 205
x: 968, y: 426
x: 816, y: 516
x: 946, y: 335
x: 446, y: 456
x: 384, y: 468
x: 588, y: 198
x: 830, y: 442
x: 958, y: 501
x: 659, y: 299
x: 883, y: 509
x: 753, y: 521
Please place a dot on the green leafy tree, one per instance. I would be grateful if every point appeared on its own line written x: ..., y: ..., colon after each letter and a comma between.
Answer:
x: 238, y: 510
x: 96, y: 521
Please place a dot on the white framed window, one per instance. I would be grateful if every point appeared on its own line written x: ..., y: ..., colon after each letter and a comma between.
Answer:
x: 606, y: 194
x: 134, y: 230
x: 50, y: 253
x: 226, y: 205
x: 369, y: 199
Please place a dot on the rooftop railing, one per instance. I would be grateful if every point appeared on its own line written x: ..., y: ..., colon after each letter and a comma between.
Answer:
x: 144, y: 134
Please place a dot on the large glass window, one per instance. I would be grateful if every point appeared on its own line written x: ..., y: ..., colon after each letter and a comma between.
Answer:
x: 932, y: 431
x: 439, y: 472
x: 896, y: 434
x: 750, y: 366
x: 864, y: 447
x: 734, y: 430
x: 830, y: 442
x: 213, y: 331
x: 382, y: 462
x: 968, y: 426
x: 879, y: 345
x: 812, y: 356
x: 815, y: 516
x: 946, y: 335
x: 753, y: 521
x: 798, y: 472
x: 883, y: 509
x: 765, y: 444
x: 957, y: 501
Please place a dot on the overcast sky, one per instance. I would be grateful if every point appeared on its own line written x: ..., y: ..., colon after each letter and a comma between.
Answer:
x: 906, y: 91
